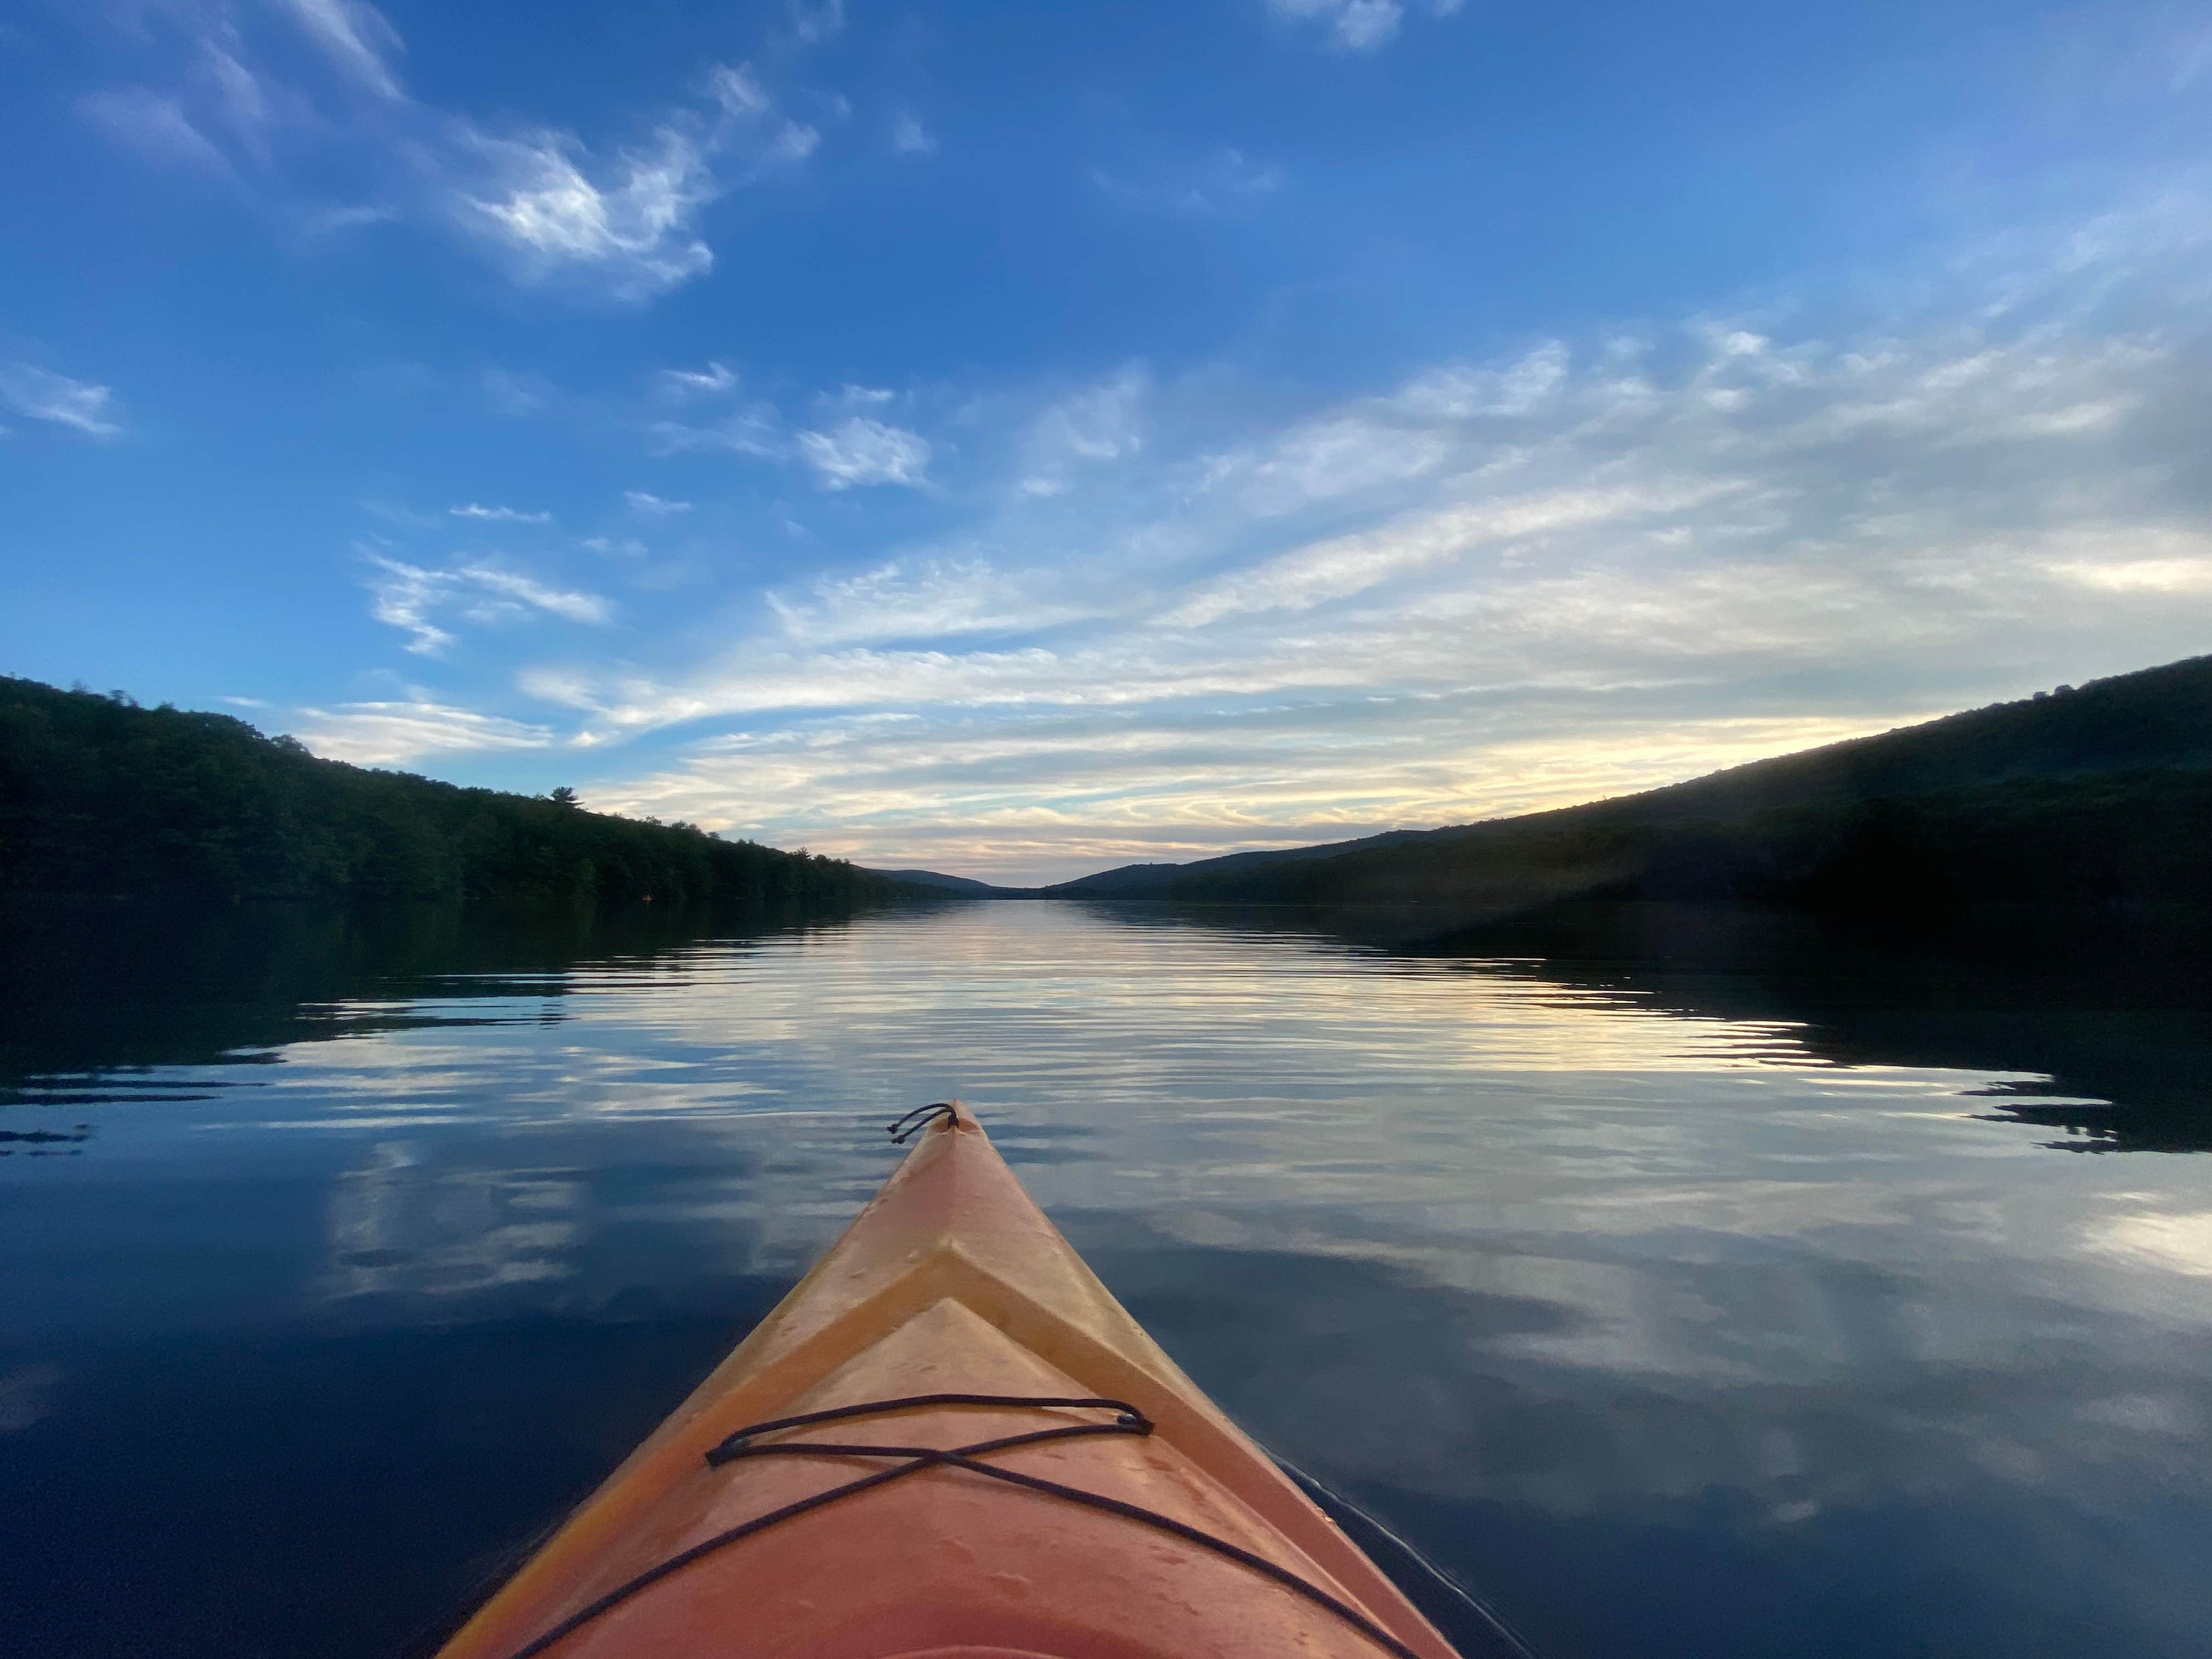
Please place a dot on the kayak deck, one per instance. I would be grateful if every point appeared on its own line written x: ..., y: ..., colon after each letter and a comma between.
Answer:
x: 1124, y: 1518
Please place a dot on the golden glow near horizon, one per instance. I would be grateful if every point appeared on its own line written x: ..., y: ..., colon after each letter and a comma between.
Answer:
x: 1169, y: 814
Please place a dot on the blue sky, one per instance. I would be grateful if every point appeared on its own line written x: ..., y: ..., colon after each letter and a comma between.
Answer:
x: 1019, y: 440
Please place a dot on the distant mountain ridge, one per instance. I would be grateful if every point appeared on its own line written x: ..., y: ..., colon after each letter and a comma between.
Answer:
x: 932, y: 879
x: 2091, y: 793
x: 1145, y: 880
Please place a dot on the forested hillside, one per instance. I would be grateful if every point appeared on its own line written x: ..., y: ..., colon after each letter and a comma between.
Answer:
x: 2088, y: 795
x: 98, y: 795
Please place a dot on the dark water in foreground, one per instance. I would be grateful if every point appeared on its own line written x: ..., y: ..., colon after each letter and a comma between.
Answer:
x: 1718, y: 1292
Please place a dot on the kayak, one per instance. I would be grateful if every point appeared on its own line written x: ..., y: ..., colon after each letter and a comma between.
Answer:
x: 948, y: 1442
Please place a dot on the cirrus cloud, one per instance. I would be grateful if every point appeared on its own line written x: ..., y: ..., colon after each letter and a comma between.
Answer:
x: 39, y: 394
x: 1355, y: 25
x: 859, y: 450
x: 420, y: 601
x: 395, y: 733
x: 623, y: 223
x: 498, y: 514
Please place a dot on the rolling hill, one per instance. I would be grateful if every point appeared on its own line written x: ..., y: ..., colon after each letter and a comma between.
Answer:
x: 2094, y: 794
x: 932, y: 882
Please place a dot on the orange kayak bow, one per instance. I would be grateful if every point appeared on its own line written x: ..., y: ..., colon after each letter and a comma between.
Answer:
x: 948, y: 1442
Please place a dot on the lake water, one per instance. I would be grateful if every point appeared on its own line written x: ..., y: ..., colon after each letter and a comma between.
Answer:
x: 1723, y: 1289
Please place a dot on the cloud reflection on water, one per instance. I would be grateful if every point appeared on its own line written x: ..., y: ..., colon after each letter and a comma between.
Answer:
x: 1524, y: 1253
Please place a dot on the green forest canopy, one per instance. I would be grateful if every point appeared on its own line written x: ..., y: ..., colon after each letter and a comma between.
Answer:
x: 100, y: 796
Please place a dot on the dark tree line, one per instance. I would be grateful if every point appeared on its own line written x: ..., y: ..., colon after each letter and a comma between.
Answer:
x: 2096, y: 795
x: 100, y: 796
x: 2144, y: 838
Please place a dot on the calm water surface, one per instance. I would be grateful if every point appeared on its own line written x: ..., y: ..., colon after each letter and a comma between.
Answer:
x: 1776, y: 1299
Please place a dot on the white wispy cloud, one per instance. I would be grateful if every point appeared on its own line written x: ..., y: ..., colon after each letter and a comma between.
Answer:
x: 633, y: 223
x: 922, y: 599
x: 624, y: 223
x: 153, y: 126
x: 757, y: 430
x: 358, y: 37
x: 909, y: 136
x: 1381, y: 446
x: 713, y: 380
x: 520, y: 397
x: 851, y: 396
x: 628, y: 224
x: 1100, y: 423
x: 1356, y: 25
x: 1346, y: 565
x: 403, y: 596
x: 218, y: 116
x: 860, y: 451
x: 2180, y: 562
x: 739, y: 91
x: 509, y: 590
x: 1225, y: 183
x: 498, y: 514
x: 646, y: 505
x: 815, y: 20
x: 394, y: 733
x: 419, y: 601
x: 39, y: 394
x: 859, y: 448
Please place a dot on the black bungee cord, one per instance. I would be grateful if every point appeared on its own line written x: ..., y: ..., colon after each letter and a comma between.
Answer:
x: 1128, y: 1419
